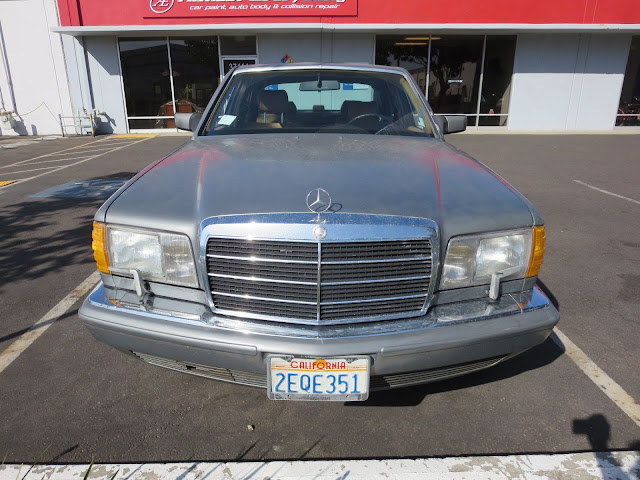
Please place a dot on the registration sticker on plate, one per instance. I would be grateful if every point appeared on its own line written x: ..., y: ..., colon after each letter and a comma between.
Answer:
x: 321, y: 379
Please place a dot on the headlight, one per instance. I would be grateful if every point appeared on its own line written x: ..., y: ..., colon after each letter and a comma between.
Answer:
x: 158, y: 256
x: 472, y: 260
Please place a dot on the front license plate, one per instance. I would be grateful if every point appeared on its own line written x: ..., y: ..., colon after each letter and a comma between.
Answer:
x: 318, y: 379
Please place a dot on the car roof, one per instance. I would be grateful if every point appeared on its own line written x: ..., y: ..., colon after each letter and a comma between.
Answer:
x: 359, y: 67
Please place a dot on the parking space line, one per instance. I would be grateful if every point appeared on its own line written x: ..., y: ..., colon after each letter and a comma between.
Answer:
x: 32, y: 170
x: 607, y: 192
x: 94, y: 148
x: 22, y: 343
x: 604, y: 382
x: 56, y: 153
x: 50, y: 161
x: 62, y: 167
x: 101, y: 146
x: 137, y: 135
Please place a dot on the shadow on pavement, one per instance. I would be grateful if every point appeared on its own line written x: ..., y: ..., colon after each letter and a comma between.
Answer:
x: 598, y: 431
x: 38, y: 236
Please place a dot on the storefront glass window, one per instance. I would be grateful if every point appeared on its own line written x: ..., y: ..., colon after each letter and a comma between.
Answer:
x: 454, y: 74
x: 146, y: 77
x: 238, y: 45
x: 496, y: 83
x: 196, y: 72
x: 450, y: 69
x: 629, y: 110
x: 161, y: 75
x: 410, y: 52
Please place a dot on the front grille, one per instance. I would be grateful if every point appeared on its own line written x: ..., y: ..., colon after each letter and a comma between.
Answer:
x: 328, y: 282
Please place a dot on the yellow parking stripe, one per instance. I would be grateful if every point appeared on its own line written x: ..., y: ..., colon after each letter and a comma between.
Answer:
x: 135, y: 135
x: 6, y: 182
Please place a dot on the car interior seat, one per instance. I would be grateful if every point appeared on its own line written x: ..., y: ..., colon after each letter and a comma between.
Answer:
x: 272, y: 106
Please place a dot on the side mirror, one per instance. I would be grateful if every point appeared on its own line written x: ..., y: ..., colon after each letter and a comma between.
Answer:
x: 451, y: 123
x: 187, y: 121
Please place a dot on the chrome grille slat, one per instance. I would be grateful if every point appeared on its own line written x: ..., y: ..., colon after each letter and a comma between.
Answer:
x: 263, y: 299
x: 262, y: 249
x: 290, y: 310
x: 377, y: 260
x: 263, y: 279
x: 337, y: 273
x: 357, y: 310
x: 379, y: 299
x: 259, y: 259
x: 377, y: 280
x: 328, y: 281
x: 342, y: 291
x: 375, y: 250
x: 306, y: 293
x: 285, y: 271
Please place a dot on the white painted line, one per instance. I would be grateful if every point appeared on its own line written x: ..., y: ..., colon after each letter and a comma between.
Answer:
x: 21, y: 164
x: 94, y: 147
x: 54, y: 160
x: 607, y: 192
x: 609, y: 465
x: 112, y: 142
x: 608, y: 386
x: 60, y: 152
x: 4, y: 189
x: 31, y: 335
x: 32, y: 170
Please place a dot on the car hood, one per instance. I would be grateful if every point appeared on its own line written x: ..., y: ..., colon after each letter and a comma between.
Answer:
x: 273, y: 173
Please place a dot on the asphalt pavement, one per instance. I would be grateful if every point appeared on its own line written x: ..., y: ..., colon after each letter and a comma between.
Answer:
x: 79, y: 400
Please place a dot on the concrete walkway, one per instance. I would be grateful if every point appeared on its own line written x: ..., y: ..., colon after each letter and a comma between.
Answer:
x: 575, y: 466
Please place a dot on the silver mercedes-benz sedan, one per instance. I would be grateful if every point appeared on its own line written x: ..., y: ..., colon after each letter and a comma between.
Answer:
x: 317, y: 237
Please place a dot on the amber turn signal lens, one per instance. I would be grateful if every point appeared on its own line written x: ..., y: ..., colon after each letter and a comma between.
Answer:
x: 537, y: 254
x: 99, y: 247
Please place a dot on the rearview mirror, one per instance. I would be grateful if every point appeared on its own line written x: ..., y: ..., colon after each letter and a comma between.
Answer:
x: 319, y: 86
x: 187, y: 121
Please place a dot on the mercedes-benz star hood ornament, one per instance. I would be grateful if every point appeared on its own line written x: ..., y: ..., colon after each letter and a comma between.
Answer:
x: 319, y: 201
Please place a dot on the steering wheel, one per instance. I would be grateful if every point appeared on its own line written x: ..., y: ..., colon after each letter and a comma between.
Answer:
x: 377, y: 116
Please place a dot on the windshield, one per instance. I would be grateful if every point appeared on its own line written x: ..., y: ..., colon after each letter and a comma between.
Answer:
x: 319, y: 101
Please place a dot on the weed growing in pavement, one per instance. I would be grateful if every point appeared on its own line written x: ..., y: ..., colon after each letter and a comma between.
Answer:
x: 37, y: 460
x: 86, y: 475
x: 42, y: 454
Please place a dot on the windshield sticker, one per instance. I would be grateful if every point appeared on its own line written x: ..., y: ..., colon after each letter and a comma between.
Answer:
x: 226, y: 119
x: 420, y: 121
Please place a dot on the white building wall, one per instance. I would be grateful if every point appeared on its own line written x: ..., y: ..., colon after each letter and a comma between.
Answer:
x: 601, y: 82
x: 106, y: 83
x: 316, y: 47
x: 567, y: 81
x: 34, y: 64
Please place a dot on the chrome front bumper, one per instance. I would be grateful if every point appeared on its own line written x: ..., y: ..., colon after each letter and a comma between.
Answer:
x: 179, y: 334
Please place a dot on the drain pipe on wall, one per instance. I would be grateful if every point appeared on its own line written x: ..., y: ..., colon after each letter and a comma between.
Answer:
x: 7, y: 72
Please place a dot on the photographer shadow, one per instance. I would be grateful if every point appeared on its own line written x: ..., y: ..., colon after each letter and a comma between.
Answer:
x: 598, y: 432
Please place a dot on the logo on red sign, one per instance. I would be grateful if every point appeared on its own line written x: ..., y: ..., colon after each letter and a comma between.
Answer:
x: 160, y: 6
